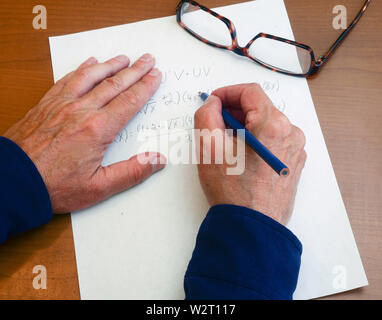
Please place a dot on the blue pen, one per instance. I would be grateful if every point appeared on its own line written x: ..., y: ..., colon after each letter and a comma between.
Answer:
x: 255, y: 144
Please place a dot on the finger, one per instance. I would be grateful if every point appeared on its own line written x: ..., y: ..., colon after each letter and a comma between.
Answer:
x: 293, y: 179
x: 113, y: 86
x: 297, y: 139
x: 245, y: 96
x: 301, y: 160
x: 231, y: 95
x: 251, y: 100
x: 123, y: 175
x: 59, y: 85
x: 125, y: 106
x: 85, y: 79
x: 83, y: 65
x: 294, y: 160
x: 209, y: 116
x: 87, y: 63
x: 276, y: 128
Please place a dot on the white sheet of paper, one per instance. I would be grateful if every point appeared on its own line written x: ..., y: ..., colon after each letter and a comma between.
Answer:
x: 137, y: 244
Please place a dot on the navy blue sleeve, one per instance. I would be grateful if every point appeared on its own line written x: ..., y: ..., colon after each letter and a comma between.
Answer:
x: 242, y: 254
x: 24, y: 199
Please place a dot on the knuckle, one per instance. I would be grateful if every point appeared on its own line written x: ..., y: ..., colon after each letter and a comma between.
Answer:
x: 94, y: 125
x: 255, y: 97
x: 112, y: 62
x: 82, y: 75
x: 300, y: 137
x: 272, y: 130
x: 137, y: 174
x: 66, y: 111
x: 282, y: 119
x: 129, y: 98
x: 304, y: 155
x: 283, y: 124
x: 72, y: 107
x: 139, y: 66
x: 252, y: 115
x: 254, y: 89
x: 278, y: 127
x: 115, y: 83
x: 63, y: 80
x: 150, y: 84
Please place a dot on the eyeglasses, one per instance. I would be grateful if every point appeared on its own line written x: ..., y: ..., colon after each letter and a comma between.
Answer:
x: 264, y: 49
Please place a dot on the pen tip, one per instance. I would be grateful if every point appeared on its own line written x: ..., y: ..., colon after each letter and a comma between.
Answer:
x: 284, y: 172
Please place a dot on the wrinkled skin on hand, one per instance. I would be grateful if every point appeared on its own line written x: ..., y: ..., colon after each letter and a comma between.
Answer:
x: 259, y: 187
x: 67, y: 133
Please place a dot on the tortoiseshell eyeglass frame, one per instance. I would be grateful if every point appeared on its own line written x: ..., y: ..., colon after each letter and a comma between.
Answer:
x: 315, y: 65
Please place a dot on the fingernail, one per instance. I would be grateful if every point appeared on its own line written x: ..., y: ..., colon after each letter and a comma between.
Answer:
x: 209, y: 99
x: 91, y: 60
x: 154, y: 72
x: 146, y: 57
x: 122, y: 58
x: 158, y: 162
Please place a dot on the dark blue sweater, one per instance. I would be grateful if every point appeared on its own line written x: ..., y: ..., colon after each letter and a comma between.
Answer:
x: 239, y: 253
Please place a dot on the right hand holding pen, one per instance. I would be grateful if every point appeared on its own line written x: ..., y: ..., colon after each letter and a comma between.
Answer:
x: 258, y: 187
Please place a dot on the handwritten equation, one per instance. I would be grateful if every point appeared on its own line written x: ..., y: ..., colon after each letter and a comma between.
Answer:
x: 185, y: 122
x: 194, y: 73
x: 158, y: 113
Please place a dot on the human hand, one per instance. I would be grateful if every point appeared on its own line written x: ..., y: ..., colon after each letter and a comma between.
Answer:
x: 259, y: 187
x: 67, y: 133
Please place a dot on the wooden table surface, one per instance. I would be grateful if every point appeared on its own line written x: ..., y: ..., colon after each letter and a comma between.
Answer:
x: 347, y: 95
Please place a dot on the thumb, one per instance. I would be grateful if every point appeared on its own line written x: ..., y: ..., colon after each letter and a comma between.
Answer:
x: 123, y: 175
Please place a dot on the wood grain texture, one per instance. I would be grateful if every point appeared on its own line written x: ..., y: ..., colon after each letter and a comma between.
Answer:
x: 347, y: 95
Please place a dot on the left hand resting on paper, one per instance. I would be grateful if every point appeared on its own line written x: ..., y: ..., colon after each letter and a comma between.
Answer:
x: 67, y: 133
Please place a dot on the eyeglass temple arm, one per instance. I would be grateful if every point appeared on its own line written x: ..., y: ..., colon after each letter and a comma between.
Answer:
x: 343, y: 35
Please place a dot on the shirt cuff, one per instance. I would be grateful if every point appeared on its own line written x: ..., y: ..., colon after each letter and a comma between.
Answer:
x: 242, y: 254
x: 24, y: 198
